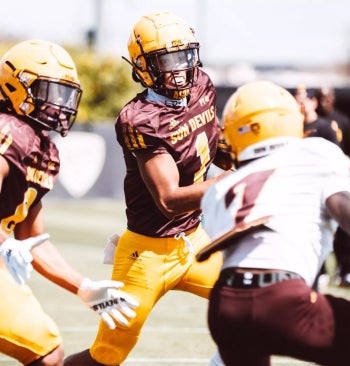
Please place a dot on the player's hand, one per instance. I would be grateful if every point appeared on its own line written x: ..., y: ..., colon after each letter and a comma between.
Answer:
x: 113, y: 305
x: 17, y: 256
x: 223, y: 158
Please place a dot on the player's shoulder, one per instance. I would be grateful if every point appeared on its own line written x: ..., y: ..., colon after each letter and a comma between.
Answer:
x: 139, y: 112
x: 203, y: 74
x: 318, y: 144
x: 10, y: 123
x: 321, y: 120
x: 10, y: 120
x: 340, y: 113
x: 18, y: 135
x: 202, y: 87
x: 203, y: 77
x: 319, y: 150
x: 138, y: 100
x: 341, y: 118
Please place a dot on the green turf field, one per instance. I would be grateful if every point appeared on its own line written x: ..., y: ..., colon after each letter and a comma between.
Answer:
x: 175, y: 334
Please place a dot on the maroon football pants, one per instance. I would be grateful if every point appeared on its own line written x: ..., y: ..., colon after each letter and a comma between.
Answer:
x: 287, y: 318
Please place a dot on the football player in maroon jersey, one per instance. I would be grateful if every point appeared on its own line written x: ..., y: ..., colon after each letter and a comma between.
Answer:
x: 39, y: 93
x: 169, y: 136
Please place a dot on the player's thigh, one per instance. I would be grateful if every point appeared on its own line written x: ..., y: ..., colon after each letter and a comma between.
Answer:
x: 139, y: 264
x: 200, y: 278
x: 26, y: 332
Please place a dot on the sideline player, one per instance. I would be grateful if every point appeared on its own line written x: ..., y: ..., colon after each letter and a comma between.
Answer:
x: 274, y: 218
x: 315, y: 126
x: 340, y: 122
x: 169, y: 135
x: 39, y: 93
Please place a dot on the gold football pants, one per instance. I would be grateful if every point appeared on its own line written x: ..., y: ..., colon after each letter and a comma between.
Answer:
x: 149, y: 267
x: 26, y: 332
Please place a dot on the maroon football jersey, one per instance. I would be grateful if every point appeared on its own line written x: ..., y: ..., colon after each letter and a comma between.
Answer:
x: 34, y: 165
x: 188, y: 134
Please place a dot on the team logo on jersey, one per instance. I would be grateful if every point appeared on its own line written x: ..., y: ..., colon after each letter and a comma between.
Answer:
x: 205, y: 100
x: 82, y: 155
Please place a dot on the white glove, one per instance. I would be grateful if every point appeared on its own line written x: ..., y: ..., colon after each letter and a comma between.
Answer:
x: 112, y: 304
x: 109, y: 249
x: 17, y: 256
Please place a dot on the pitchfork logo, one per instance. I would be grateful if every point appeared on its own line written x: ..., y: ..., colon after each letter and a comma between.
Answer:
x: 82, y: 155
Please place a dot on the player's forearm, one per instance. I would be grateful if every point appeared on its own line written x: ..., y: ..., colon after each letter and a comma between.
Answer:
x: 184, y: 199
x: 339, y: 207
x: 52, y: 265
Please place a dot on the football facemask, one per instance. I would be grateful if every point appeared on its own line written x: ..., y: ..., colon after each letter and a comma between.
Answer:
x: 55, y: 103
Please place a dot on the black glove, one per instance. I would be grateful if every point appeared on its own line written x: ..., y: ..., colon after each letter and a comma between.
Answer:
x: 223, y: 157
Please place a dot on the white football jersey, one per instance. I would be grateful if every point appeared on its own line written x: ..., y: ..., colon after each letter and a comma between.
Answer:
x: 290, y: 188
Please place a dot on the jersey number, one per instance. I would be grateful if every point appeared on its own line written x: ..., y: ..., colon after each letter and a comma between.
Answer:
x: 8, y: 223
x: 241, y: 197
x: 203, y: 152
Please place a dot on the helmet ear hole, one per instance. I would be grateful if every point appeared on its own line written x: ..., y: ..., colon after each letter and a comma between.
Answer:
x: 135, y: 77
x: 10, y: 88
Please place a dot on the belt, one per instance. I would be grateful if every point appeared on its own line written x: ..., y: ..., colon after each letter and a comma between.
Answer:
x: 247, y: 279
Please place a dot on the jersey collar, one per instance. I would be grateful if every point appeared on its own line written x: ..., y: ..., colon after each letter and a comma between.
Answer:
x: 154, y: 97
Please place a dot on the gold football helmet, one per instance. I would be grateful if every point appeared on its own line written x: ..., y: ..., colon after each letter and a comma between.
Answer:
x: 38, y: 80
x: 162, y: 43
x: 259, y: 117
